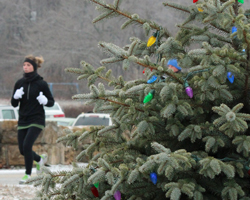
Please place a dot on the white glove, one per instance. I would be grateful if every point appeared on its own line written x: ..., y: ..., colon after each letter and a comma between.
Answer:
x: 18, y: 94
x: 42, y: 99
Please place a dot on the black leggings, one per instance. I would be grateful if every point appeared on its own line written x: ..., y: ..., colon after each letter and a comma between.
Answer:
x: 26, y: 139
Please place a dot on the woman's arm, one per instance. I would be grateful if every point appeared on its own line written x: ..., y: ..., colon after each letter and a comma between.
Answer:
x: 47, y: 93
x: 14, y: 102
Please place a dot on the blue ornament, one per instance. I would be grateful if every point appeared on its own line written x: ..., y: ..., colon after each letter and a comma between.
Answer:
x: 234, y: 29
x: 230, y: 77
x: 153, y: 177
x: 152, y: 79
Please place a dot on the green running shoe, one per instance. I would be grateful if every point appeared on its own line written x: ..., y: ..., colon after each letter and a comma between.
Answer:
x: 24, y: 179
x: 41, y: 163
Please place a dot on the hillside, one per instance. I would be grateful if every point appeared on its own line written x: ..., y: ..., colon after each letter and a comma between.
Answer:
x: 63, y: 33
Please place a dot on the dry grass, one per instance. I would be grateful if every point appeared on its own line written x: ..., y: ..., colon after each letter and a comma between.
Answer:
x: 74, y: 108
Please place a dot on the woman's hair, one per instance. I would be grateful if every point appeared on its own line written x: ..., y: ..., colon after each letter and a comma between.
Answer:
x: 37, y: 60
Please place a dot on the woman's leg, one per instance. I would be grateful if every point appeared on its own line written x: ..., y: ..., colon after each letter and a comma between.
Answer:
x: 21, y: 137
x: 29, y: 155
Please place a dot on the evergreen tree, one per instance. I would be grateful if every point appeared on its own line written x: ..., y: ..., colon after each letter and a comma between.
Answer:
x: 174, y: 135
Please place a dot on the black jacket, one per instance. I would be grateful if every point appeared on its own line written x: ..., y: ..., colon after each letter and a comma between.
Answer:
x: 30, y: 111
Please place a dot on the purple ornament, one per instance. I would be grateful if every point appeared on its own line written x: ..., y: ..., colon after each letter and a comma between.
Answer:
x: 117, y: 195
x: 189, y: 91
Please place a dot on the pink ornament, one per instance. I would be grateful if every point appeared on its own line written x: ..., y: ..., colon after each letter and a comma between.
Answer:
x: 189, y: 91
x: 117, y: 195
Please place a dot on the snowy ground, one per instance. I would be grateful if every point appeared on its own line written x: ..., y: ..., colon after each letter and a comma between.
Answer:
x: 11, y: 190
x: 17, y: 192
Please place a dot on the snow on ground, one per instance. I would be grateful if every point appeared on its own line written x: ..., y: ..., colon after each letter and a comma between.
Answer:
x: 24, y: 192
x: 53, y: 168
x: 17, y: 192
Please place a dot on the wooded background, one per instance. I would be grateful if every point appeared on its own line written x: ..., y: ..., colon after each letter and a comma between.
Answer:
x: 62, y: 32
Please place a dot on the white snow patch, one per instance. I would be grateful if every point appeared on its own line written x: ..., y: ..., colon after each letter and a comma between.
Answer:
x: 53, y: 168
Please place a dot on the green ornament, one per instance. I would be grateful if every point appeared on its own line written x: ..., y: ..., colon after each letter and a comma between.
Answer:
x: 241, y: 1
x: 149, y: 97
x: 96, y: 184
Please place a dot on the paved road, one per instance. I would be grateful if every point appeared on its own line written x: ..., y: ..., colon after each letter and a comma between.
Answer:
x: 10, y: 178
x: 13, y: 176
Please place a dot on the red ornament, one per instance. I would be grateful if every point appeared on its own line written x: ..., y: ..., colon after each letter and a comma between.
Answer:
x: 145, y: 69
x: 248, y: 172
x: 194, y: 1
x: 95, y: 191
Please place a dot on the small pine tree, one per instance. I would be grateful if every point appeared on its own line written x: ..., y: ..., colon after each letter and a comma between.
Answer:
x: 174, y: 135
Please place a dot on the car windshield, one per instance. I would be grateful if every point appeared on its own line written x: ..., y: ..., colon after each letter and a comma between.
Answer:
x: 8, y: 114
x: 92, y: 120
x: 55, y: 107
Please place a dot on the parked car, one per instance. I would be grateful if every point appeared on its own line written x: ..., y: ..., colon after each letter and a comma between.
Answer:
x: 95, y: 119
x: 8, y: 112
x: 51, y: 112
x: 54, y: 111
x: 62, y: 121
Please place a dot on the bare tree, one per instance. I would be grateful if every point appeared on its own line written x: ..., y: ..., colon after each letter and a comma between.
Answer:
x: 61, y: 31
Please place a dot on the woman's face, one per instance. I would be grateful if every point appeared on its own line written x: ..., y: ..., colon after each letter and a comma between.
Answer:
x: 27, y: 67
